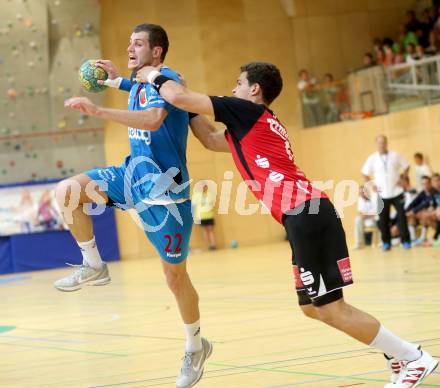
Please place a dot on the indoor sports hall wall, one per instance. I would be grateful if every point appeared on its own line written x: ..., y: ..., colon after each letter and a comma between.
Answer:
x: 344, y: 147
x: 209, y: 41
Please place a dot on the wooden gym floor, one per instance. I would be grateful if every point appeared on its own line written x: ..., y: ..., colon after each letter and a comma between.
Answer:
x: 128, y: 333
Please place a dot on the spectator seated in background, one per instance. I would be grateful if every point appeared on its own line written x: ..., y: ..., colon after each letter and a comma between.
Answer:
x: 330, y: 91
x: 398, y: 55
x: 367, y: 215
x: 378, y: 51
x: 412, y: 24
x: 420, y: 53
x: 421, y: 170
x: 407, y: 37
x: 310, y: 98
x: 388, y: 55
x: 410, y: 52
x: 433, y: 215
x: 419, y: 209
x: 434, y: 45
x: 409, y: 193
x: 368, y: 60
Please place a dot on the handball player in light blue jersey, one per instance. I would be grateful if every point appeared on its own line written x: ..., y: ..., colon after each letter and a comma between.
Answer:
x: 153, y: 180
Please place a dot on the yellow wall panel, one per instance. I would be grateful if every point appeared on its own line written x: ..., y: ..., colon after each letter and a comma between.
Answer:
x: 383, y: 4
x: 384, y: 23
x: 325, y: 46
x: 352, y: 6
x: 321, y: 7
x: 212, y: 12
x: 301, y: 45
x: 355, y: 38
x: 263, y: 10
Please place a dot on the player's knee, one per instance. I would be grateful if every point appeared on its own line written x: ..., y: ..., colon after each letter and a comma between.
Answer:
x: 309, y: 311
x: 175, y: 279
x: 65, y: 193
x: 333, y: 314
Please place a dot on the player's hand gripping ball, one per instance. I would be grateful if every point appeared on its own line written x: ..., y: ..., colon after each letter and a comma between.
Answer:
x: 89, y: 74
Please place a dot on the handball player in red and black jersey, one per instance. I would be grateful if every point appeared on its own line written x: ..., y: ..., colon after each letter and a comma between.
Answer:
x: 263, y: 154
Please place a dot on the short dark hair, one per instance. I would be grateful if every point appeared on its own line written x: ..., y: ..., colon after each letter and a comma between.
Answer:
x: 267, y: 76
x: 418, y: 155
x: 157, y: 37
x: 436, y: 175
x: 426, y: 177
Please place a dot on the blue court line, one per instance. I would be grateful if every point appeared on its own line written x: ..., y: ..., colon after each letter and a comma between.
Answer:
x: 15, y: 279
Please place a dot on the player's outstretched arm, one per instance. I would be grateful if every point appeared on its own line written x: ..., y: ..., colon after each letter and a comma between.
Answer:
x: 176, y: 94
x: 208, y: 135
x: 150, y: 119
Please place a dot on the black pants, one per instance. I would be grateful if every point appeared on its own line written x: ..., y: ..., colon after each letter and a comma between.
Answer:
x: 384, y: 219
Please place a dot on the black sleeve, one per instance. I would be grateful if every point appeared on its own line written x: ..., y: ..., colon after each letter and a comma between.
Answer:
x: 238, y: 114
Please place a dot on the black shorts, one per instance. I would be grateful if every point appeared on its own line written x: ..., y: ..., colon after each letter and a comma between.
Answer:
x: 320, y: 259
x: 207, y: 222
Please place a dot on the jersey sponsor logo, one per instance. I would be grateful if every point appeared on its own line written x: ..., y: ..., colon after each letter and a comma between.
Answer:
x: 277, y: 128
x: 345, y: 270
x: 276, y: 176
x: 262, y: 162
x: 143, y: 98
x: 306, y: 277
x: 139, y: 134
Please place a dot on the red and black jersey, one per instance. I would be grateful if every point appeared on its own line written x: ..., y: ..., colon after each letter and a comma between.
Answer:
x: 262, y: 153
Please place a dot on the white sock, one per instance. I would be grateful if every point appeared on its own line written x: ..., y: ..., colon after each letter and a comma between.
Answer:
x: 393, y: 346
x: 90, y: 253
x: 193, y: 338
x: 412, y: 232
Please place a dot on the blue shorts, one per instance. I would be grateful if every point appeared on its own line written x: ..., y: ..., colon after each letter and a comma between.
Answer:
x: 168, y: 226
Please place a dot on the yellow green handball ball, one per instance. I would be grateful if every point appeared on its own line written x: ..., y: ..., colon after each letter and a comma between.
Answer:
x: 89, y: 74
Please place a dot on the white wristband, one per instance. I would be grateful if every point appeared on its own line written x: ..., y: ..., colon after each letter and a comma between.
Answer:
x: 152, y: 76
x: 113, y: 83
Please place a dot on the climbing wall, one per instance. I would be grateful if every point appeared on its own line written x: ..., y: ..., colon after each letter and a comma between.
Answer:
x: 42, y: 45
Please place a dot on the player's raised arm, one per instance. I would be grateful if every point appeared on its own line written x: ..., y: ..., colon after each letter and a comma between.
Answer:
x: 176, y: 94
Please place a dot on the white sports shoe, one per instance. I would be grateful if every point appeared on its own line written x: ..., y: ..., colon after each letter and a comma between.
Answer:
x: 395, y: 367
x: 83, y: 275
x: 414, y: 372
x: 193, y: 366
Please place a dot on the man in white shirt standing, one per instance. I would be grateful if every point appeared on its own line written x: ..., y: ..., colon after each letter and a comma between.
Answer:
x: 385, y: 168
